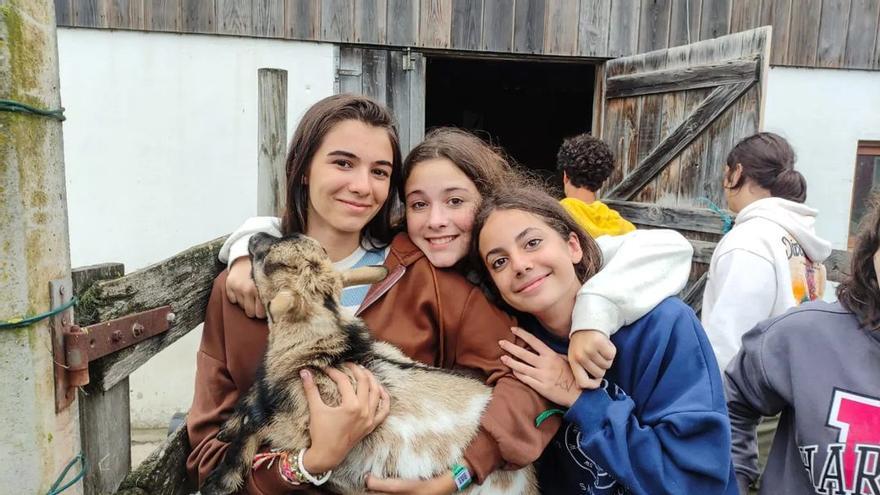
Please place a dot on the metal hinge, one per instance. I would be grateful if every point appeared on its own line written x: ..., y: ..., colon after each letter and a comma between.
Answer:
x: 74, y: 347
x: 409, y: 60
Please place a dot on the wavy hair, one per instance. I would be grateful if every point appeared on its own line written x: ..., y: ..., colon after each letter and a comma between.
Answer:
x: 859, y: 292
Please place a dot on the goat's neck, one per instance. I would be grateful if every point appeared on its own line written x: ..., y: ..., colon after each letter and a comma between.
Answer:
x: 310, y: 342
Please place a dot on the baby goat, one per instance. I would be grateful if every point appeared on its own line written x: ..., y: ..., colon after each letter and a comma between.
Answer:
x: 434, y: 413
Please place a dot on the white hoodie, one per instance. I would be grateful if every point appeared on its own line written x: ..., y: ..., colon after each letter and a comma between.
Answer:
x: 769, y: 262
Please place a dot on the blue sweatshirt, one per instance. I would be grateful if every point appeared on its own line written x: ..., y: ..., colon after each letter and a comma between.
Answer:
x: 659, y: 426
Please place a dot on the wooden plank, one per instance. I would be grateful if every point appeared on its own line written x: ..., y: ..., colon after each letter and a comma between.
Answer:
x: 714, y: 19
x: 350, y: 70
x: 681, y: 79
x: 199, y: 16
x: 593, y: 27
x: 119, y: 14
x: 234, y: 17
x: 497, y: 26
x: 654, y: 25
x: 64, y: 13
x: 272, y: 137
x: 623, y: 37
x: 674, y: 112
x: 777, y: 13
x: 684, y: 22
x: 268, y: 18
x: 706, y: 113
x: 561, y: 27
x: 467, y: 24
x: 745, y: 15
x: 693, y: 294
x: 337, y: 20
x: 528, y: 26
x: 162, y: 15
x: 86, y: 276
x: 649, y: 113
x: 833, y: 25
x: 664, y: 217
x: 864, y: 16
x: 302, y: 19
x: 403, y: 22
x: 105, y: 426
x: 374, y: 74
x: 164, y: 471
x: 89, y: 14
x: 804, y: 38
x: 416, y: 102
x: 399, y: 96
x: 435, y: 23
x: 370, y: 21
x: 877, y: 51
x: 183, y: 282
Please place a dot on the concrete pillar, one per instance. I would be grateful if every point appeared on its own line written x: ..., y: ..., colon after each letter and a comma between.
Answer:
x: 36, y: 443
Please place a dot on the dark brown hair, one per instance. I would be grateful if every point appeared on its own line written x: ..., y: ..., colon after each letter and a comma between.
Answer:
x: 768, y: 160
x: 483, y: 164
x: 310, y: 133
x: 530, y: 198
x: 586, y: 160
x: 859, y: 291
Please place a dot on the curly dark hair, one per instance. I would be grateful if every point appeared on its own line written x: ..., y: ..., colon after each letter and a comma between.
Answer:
x: 859, y: 292
x: 586, y: 160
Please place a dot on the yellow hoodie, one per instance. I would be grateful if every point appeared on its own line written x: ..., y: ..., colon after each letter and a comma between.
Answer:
x: 597, y: 218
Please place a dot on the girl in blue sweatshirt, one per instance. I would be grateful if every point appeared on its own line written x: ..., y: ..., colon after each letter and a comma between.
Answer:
x: 659, y: 422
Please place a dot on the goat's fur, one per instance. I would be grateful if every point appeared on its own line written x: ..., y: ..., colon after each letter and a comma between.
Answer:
x: 434, y: 413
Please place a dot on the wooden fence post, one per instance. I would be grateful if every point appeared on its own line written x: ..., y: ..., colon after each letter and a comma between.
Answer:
x: 272, y: 136
x: 38, y: 442
x: 105, y: 417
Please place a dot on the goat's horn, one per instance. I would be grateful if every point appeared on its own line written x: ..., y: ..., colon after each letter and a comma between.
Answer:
x: 364, y: 275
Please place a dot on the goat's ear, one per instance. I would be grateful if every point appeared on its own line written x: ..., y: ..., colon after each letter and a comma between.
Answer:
x: 283, y: 303
x: 364, y: 275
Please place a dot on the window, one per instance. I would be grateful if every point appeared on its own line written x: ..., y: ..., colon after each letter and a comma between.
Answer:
x: 866, y: 180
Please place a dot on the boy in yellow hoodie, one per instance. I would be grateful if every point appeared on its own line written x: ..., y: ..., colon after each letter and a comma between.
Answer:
x: 586, y: 163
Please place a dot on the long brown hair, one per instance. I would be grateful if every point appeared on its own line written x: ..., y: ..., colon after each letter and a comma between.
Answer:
x: 859, y: 291
x: 768, y: 160
x: 310, y: 133
x: 530, y: 198
x: 483, y: 164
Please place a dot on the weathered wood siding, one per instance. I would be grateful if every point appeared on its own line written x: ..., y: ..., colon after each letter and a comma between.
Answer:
x: 808, y: 33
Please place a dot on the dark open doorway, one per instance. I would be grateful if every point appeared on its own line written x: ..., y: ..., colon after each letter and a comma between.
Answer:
x: 527, y: 107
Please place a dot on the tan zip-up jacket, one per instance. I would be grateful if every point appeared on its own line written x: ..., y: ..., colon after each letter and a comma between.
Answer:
x: 433, y: 315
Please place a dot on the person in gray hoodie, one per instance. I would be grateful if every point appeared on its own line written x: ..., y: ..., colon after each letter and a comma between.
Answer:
x: 772, y: 258
x: 819, y: 366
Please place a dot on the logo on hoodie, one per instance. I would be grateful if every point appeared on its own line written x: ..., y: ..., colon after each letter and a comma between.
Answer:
x: 852, y: 464
x: 807, y: 276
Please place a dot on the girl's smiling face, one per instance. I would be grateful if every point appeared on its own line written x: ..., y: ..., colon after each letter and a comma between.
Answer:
x: 531, y: 264
x: 440, y: 205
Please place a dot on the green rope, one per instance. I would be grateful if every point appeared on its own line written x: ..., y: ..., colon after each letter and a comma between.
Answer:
x: 30, y: 320
x: 546, y: 414
x: 55, y: 490
x: 17, y: 106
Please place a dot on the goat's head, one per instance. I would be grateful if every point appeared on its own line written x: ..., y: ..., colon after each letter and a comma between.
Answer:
x: 295, y: 277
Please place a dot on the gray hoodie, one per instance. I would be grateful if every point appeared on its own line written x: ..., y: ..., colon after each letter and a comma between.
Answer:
x: 817, y: 367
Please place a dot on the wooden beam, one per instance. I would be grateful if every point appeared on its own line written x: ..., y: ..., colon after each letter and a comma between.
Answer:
x: 683, y: 78
x: 692, y: 295
x: 703, y: 116
x: 164, y: 471
x: 272, y: 137
x: 183, y: 282
x: 664, y: 217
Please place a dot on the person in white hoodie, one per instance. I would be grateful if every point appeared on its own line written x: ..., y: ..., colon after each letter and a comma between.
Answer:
x: 772, y: 258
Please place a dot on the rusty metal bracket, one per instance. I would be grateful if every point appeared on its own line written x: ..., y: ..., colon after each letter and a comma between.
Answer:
x: 75, y: 347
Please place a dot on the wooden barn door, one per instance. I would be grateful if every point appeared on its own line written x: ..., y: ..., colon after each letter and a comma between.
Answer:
x: 671, y: 117
x: 393, y: 77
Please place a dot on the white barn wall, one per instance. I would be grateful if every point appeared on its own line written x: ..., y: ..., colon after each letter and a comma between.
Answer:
x: 160, y: 153
x: 824, y: 113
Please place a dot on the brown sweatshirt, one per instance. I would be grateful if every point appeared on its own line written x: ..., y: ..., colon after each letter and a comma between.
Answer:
x: 433, y: 315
